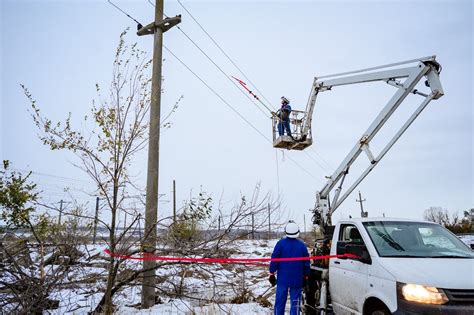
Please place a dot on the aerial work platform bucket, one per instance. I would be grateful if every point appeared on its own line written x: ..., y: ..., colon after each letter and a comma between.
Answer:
x: 299, y: 141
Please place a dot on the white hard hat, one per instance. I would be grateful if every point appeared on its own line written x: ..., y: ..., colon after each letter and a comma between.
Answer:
x: 285, y: 100
x: 292, y: 230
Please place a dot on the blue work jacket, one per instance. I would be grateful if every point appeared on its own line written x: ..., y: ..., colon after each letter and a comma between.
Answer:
x: 284, y: 112
x: 290, y: 273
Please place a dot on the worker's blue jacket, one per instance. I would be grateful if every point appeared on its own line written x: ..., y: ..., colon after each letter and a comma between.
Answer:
x: 290, y: 273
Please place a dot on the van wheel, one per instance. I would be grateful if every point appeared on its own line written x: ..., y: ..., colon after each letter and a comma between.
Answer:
x: 382, y: 311
x: 374, y: 306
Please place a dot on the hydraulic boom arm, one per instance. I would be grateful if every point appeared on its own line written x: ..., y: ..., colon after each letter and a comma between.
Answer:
x: 398, y: 75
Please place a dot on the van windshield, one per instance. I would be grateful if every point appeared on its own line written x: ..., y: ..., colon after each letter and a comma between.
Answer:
x: 415, y: 239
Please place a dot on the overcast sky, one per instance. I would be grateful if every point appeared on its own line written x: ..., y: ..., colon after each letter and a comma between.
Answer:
x: 60, y: 49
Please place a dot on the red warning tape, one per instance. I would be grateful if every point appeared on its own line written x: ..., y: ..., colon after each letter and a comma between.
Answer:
x: 148, y: 256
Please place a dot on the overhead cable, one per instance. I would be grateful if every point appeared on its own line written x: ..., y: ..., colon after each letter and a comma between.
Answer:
x: 223, y: 52
x: 240, y: 70
x: 123, y: 12
x: 212, y: 90
x: 216, y: 65
x: 233, y: 109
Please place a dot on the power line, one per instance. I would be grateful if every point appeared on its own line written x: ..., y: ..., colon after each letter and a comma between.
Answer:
x: 315, y: 161
x: 223, y: 52
x: 238, y: 68
x: 233, y: 109
x: 211, y: 89
x: 222, y: 71
x: 217, y: 66
x: 138, y: 23
x: 217, y: 94
x: 51, y: 175
x: 322, y: 158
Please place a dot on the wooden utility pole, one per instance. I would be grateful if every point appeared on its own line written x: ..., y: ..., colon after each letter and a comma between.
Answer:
x: 60, y: 211
x: 304, y: 224
x: 158, y: 27
x: 362, y: 213
x: 269, y: 223
x: 253, y: 226
x: 174, y: 201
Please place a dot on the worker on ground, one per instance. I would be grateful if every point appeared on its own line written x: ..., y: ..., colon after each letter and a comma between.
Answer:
x: 290, y: 275
x: 284, y: 116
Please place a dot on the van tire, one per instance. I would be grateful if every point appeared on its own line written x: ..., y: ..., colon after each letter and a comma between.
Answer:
x: 374, y: 306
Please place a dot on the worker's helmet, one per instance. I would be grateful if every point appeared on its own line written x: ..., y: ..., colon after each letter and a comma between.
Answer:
x: 285, y: 100
x: 292, y: 230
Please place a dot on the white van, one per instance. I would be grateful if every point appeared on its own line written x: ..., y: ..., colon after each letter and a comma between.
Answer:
x: 404, y: 267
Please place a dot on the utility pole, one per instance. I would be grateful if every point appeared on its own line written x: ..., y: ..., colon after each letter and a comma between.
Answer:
x: 174, y: 201
x: 253, y: 229
x: 304, y: 224
x: 158, y: 27
x: 60, y: 211
x: 362, y: 213
x: 269, y: 223
x: 96, y: 219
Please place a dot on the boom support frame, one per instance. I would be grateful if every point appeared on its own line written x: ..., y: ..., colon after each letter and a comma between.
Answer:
x: 427, y: 68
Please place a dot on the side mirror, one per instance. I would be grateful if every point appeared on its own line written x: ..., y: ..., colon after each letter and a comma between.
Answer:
x: 360, y: 251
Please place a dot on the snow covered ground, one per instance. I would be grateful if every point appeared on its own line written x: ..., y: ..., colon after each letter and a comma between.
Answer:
x: 205, y: 288
x: 183, y: 307
x: 184, y: 288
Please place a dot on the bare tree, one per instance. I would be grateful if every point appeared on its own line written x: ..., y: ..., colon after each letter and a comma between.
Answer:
x: 195, y: 234
x: 36, y: 252
x: 451, y: 221
x: 203, y: 230
x: 106, y: 153
x: 437, y: 215
x: 119, y: 132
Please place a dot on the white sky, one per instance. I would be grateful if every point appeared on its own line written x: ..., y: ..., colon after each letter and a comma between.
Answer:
x: 60, y: 49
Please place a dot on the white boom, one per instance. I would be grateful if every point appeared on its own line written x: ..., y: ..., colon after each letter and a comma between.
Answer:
x: 405, y: 79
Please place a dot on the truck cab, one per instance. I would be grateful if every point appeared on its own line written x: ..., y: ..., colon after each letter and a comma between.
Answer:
x: 402, y: 267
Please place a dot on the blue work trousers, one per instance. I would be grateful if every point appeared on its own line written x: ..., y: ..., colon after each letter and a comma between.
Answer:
x: 280, y: 300
x: 284, y: 125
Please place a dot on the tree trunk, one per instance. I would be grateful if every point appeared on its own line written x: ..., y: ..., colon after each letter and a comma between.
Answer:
x: 107, y: 304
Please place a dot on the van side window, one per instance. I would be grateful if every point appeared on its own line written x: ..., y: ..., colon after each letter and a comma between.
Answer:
x: 350, y: 234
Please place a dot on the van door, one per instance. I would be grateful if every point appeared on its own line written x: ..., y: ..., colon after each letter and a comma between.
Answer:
x: 348, y: 277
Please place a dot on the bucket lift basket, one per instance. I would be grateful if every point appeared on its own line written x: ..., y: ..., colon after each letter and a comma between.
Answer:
x: 299, y: 141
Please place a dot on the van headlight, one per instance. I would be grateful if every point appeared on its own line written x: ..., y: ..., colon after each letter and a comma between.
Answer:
x: 422, y: 294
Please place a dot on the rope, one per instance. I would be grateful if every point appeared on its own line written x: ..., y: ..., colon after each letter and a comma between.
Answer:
x: 277, y: 171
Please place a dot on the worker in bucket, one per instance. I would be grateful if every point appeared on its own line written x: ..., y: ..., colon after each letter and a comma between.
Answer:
x: 284, y: 116
x: 289, y: 275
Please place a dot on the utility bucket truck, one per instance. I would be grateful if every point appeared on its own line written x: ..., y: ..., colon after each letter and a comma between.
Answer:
x: 402, y: 266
